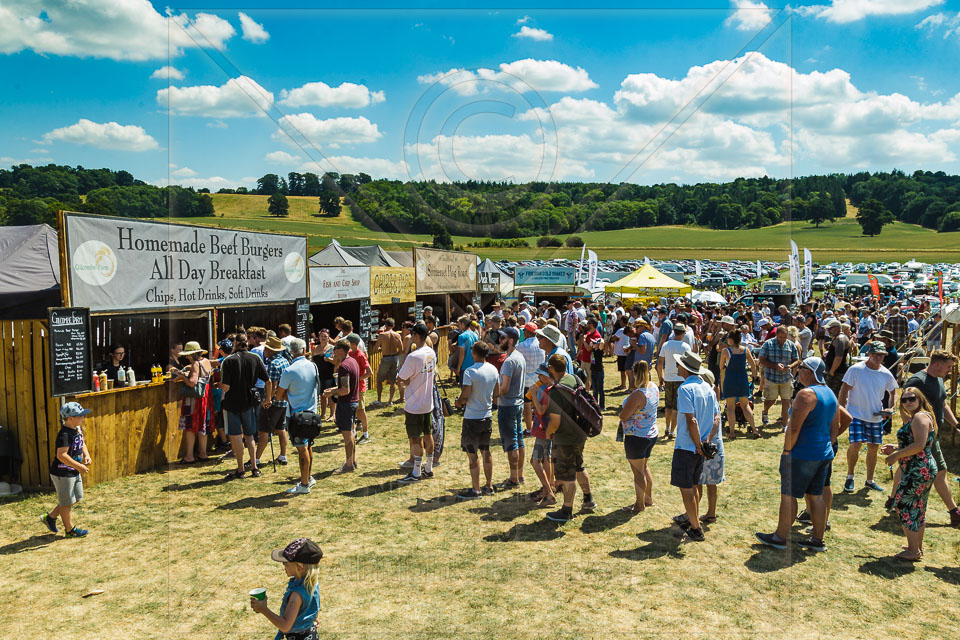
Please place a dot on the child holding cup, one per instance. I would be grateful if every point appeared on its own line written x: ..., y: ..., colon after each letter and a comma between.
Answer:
x: 301, y: 602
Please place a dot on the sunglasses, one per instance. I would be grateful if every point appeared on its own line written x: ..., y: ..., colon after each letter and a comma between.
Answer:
x: 904, y: 399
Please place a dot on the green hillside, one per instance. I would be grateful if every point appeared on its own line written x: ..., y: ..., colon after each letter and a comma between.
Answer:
x: 841, y: 240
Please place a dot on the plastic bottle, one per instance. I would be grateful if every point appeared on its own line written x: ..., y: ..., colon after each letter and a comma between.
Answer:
x: 103, y: 380
x: 96, y: 381
x: 131, y: 377
x: 121, y: 377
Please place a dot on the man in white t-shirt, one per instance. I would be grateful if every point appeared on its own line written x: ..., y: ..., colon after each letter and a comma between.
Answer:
x: 862, y: 392
x: 670, y: 378
x: 416, y: 377
x: 524, y: 313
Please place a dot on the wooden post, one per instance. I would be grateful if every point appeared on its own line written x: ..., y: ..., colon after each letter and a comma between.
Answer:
x: 446, y: 302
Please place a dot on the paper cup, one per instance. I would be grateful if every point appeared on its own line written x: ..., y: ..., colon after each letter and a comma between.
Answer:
x: 258, y: 594
x: 109, y: 384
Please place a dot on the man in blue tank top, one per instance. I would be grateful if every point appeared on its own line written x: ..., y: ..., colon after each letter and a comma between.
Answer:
x: 806, y: 461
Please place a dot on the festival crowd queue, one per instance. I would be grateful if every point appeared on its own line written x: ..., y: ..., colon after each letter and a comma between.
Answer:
x: 822, y: 369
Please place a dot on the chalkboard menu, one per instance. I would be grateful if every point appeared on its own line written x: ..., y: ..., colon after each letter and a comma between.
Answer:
x: 369, y: 321
x: 71, y: 369
x: 419, y: 311
x: 303, y: 319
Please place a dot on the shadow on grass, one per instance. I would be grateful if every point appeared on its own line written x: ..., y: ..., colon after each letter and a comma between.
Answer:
x: 540, y: 531
x: 660, y: 542
x: 34, y: 542
x: 887, y: 567
x: 843, y: 501
x: 372, y: 490
x: 433, y: 504
x: 596, y: 524
x: 199, y: 484
x: 385, y: 473
x: 947, y: 574
x: 767, y: 559
x: 889, y: 523
x: 269, y: 501
x: 506, y: 509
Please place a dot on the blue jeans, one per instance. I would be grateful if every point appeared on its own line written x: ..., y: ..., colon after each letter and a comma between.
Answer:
x: 596, y: 386
x: 510, y: 422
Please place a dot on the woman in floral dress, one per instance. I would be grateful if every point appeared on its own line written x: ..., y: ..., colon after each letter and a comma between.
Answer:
x: 917, y: 468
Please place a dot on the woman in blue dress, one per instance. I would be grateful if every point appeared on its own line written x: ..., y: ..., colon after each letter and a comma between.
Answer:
x: 734, y: 385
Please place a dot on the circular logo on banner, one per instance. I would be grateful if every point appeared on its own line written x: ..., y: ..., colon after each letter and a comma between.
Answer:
x: 473, y: 271
x: 293, y: 267
x: 421, y: 270
x: 95, y: 263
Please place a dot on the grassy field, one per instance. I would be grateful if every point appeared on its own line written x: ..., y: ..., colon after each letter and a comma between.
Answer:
x: 175, y: 553
x: 841, y: 240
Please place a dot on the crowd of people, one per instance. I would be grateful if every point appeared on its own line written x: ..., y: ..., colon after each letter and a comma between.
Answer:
x: 539, y: 370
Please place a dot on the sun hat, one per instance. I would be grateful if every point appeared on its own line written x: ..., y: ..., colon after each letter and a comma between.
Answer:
x: 885, y: 334
x: 707, y: 375
x: 551, y: 333
x: 7, y: 489
x: 274, y: 344
x: 191, y: 348
x: 301, y: 550
x: 727, y: 320
x: 73, y: 410
x: 831, y: 323
x: 689, y: 361
x: 679, y: 327
x: 817, y: 367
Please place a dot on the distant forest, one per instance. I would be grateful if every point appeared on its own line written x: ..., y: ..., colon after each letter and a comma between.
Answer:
x: 30, y: 195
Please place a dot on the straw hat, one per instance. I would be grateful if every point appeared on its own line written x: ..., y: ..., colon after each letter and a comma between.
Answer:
x: 273, y: 343
x: 689, y: 361
x: 7, y: 489
x: 192, y: 348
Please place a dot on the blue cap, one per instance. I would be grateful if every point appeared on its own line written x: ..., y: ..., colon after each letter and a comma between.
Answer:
x: 817, y: 366
x: 226, y: 345
x: 511, y: 332
x: 73, y: 410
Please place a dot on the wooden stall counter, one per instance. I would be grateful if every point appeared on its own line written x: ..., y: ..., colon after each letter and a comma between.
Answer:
x: 131, y: 429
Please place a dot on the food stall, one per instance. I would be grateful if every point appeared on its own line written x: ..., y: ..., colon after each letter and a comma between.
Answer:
x: 446, y: 281
x: 556, y: 285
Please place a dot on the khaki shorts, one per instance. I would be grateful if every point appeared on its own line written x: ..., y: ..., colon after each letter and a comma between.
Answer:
x: 773, y: 390
x: 670, y: 394
x: 387, y: 371
x: 567, y: 461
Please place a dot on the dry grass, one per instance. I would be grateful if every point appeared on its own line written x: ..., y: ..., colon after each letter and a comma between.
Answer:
x: 176, y: 552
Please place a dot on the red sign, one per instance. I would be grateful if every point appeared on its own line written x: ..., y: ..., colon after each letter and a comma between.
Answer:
x: 874, y: 285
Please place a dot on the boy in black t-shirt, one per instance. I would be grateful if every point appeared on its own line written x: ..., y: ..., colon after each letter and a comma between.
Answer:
x: 71, y: 460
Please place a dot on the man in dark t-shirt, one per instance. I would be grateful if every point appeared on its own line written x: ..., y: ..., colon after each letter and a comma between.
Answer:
x: 238, y: 374
x: 930, y: 383
x: 347, y: 394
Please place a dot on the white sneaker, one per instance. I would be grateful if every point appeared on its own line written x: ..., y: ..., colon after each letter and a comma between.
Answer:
x: 299, y: 489
x: 312, y: 482
x: 406, y: 464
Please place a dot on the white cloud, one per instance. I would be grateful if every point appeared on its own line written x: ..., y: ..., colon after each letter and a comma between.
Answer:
x: 950, y: 24
x: 167, y: 72
x: 522, y: 75
x: 533, y: 33
x: 846, y: 11
x: 239, y: 97
x: 523, y: 20
x: 253, y: 31
x: 107, y: 135
x: 115, y: 29
x: 347, y: 95
x: 374, y: 167
x: 326, y: 134
x: 281, y: 157
x: 749, y: 15
x: 217, y: 124
x: 184, y: 172
x: 213, y: 183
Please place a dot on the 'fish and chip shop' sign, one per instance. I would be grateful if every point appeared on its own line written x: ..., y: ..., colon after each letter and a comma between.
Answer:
x: 338, y: 284
x: 444, y: 271
x: 392, y: 285
x: 118, y: 264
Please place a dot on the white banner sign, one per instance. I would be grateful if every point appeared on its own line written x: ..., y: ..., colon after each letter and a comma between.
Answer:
x: 807, y: 273
x: 592, y: 264
x: 118, y: 264
x: 336, y: 284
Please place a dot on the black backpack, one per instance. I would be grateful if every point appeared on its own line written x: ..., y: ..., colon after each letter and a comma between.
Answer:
x: 587, y: 413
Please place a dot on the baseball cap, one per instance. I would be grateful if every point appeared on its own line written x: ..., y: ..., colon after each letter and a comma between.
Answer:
x: 301, y: 550
x: 511, y: 332
x: 817, y: 367
x: 679, y: 327
x: 831, y: 323
x: 530, y: 328
x: 877, y: 347
x: 543, y: 369
x: 420, y: 329
x: 73, y: 410
x: 727, y: 320
x: 225, y: 345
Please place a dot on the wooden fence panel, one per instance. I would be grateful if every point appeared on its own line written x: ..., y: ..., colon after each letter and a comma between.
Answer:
x: 39, y: 396
x: 23, y: 383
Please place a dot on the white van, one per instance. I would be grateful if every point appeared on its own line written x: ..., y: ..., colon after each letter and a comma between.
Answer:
x: 774, y: 286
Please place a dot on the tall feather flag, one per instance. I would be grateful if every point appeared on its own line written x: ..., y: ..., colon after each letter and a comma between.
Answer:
x: 583, y: 249
x: 794, y: 266
x: 807, y: 274
x: 592, y: 264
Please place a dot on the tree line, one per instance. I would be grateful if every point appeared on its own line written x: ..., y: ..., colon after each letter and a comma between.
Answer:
x: 930, y: 199
x: 33, y: 195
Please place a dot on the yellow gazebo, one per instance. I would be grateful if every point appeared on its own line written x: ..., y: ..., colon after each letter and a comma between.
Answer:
x: 648, y: 281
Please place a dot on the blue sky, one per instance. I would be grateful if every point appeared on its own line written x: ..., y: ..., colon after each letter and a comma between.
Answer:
x: 219, y: 96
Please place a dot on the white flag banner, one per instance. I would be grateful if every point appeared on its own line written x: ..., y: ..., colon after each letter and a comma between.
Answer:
x: 759, y: 271
x: 807, y: 272
x: 795, y: 273
x: 592, y: 265
x: 699, y: 270
x: 583, y: 249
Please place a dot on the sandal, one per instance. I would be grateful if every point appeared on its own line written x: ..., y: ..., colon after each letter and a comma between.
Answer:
x: 187, y: 462
x: 908, y: 558
x: 236, y: 475
x: 632, y: 508
x: 708, y: 519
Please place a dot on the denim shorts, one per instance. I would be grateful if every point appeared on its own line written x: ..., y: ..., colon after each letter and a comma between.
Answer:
x: 241, y: 423
x: 510, y: 422
x: 803, y: 477
x: 542, y: 449
x: 344, y: 415
x: 301, y: 442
